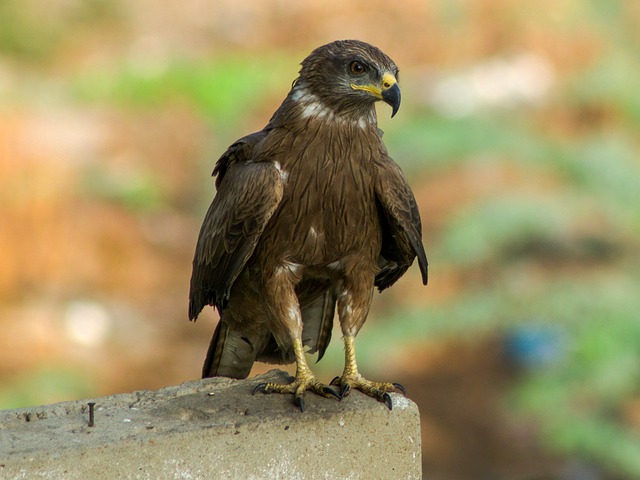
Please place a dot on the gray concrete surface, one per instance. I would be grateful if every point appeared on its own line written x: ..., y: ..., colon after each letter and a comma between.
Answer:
x: 213, y: 429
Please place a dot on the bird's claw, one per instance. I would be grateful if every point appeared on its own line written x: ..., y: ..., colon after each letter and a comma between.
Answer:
x: 386, y: 398
x: 378, y: 390
x: 261, y: 387
x: 346, y: 389
x: 331, y: 392
x: 400, y: 387
x: 298, y: 387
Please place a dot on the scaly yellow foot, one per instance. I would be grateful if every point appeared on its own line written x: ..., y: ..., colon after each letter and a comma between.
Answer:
x: 378, y: 390
x: 298, y: 387
x: 303, y: 381
x: 351, y: 379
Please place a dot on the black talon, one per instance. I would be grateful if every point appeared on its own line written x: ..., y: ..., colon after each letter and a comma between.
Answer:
x: 345, y: 391
x: 261, y: 387
x: 299, y: 402
x: 330, y: 391
x: 335, y: 381
x: 401, y: 388
x: 386, y: 398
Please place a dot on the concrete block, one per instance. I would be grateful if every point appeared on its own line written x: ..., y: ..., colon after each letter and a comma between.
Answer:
x: 213, y: 429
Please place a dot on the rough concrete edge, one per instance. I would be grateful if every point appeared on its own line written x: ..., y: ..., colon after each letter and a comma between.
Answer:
x: 179, y: 409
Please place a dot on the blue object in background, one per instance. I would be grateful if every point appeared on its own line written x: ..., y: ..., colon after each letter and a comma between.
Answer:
x: 534, y: 345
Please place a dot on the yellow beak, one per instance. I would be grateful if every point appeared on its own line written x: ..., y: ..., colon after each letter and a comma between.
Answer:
x: 388, y: 91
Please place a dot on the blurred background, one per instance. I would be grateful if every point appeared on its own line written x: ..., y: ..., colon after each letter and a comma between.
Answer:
x: 519, y: 135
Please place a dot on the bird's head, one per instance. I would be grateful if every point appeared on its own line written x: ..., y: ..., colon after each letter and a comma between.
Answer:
x: 349, y: 76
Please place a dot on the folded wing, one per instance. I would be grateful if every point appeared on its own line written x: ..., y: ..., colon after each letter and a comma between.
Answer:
x: 401, y: 226
x: 249, y: 191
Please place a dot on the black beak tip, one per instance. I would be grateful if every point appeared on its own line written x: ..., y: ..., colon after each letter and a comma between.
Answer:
x: 392, y: 97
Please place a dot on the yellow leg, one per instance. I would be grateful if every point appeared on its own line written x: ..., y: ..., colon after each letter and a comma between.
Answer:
x: 351, y: 378
x: 303, y: 381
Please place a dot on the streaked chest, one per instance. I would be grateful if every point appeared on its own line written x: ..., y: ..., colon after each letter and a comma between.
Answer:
x: 328, y: 207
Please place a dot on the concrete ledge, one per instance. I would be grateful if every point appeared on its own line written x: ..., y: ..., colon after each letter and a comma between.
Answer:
x: 213, y: 429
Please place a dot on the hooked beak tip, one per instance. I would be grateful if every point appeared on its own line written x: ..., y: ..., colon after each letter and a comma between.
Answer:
x: 392, y: 97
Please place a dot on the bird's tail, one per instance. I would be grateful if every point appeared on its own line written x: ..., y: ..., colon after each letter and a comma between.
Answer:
x: 229, y: 355
x: 232, y: 352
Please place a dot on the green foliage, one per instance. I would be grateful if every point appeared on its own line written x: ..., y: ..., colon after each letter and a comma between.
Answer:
x: 428, y: 141
x: 579, y: 402
x: 135, y: 189
x: 22, y: 35
x: 34, y: 32
x: 608, y: 167
x: 224, y: 89
x: 47, y: 385
x: 611, y: 85
x: 489, y: 229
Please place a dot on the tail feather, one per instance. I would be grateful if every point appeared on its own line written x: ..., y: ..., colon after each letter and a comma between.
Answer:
x: 229, y: 355
x: 317, y: 317
x: 232, y: 352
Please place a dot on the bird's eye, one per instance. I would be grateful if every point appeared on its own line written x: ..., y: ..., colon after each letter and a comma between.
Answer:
x: 357, y: 67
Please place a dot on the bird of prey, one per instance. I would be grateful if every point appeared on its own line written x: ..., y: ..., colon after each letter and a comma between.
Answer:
x: 310, y: 215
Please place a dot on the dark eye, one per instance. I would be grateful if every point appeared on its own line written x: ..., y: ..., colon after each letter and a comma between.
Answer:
x: 357, y: 68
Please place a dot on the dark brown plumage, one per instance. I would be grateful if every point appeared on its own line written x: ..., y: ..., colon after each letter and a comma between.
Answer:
x: 310, y: 214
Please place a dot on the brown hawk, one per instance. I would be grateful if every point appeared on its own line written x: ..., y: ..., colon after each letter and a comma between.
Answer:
x: 310, y: 214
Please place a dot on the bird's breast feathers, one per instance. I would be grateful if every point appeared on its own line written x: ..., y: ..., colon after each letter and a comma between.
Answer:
x: 328, y: 208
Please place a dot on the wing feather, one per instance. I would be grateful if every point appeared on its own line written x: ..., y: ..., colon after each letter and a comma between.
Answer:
x: 401, y: 226
x: 248, y: 194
